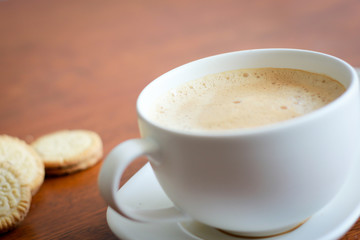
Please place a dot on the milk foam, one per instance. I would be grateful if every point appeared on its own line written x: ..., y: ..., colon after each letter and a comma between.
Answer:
x: 244, y: 98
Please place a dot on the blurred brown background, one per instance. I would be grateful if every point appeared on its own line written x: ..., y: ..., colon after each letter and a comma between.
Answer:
x: 81, y: 64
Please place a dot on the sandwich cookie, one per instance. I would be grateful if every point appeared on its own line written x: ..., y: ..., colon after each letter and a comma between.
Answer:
x: 69, y: 151
x: 15, y: 197
x: 24, y: 159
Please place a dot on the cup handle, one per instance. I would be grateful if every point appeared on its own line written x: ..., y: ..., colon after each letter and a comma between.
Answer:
x: 109, y: 178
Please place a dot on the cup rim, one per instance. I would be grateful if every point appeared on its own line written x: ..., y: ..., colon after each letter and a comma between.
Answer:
x: 351, y: 89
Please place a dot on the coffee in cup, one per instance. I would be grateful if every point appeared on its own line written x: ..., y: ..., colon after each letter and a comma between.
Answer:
x: 244, y: 98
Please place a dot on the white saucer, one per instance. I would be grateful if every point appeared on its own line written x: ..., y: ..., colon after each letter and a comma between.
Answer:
x: 143, y: 191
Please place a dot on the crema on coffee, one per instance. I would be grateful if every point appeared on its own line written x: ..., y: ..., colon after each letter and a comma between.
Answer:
x: 244, y: 98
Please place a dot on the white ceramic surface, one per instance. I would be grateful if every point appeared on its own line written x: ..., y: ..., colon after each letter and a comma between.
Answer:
x: 256, y: 181
x: 144, y: 192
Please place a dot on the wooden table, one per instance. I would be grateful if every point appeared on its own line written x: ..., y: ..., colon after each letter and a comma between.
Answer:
x: 81, y: 64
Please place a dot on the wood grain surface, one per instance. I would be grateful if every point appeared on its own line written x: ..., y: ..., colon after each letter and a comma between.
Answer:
x: 82, y: 63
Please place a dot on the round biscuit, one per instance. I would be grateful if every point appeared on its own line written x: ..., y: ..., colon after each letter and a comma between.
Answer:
x: 66, y: 148
x: 15, y: 198
x: 25, y: 159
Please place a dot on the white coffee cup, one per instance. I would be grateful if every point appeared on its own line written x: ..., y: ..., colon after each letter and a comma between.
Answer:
x: 255, y: 182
